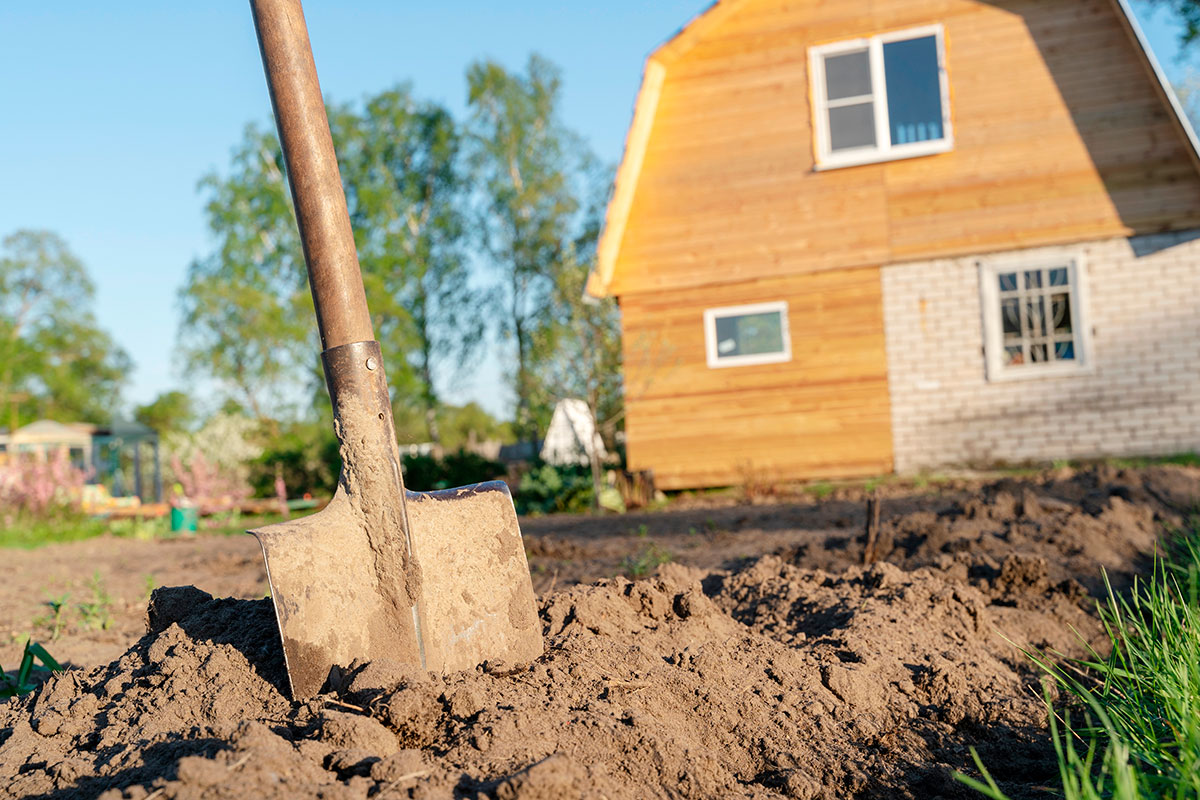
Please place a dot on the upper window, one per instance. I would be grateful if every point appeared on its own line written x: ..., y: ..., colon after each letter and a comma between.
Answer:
x: 880, y: 98
x: 742, y: 335
x: 1033, y: 319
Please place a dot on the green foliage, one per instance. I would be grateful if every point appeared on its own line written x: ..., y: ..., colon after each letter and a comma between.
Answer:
x: 248, y: 318
x: 56, y: 620
x: 582, y: 339
x: 643, y: 561
x: 55, y: 360
x: 1140, y: 705
x: 524, y: 162
x: 1187, y: 13
x: 20, y: 682
x: 27, y: 530
x: 460, y: 424
x: 96, y: 613
x: 400, y: 160
x: 546, y: 488
x: 426, y: 473
x: 306, y: 453
x: 170, y: 411
x: 247, y: 313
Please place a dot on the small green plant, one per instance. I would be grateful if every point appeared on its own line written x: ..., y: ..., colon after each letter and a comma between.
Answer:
x: 821, y: 489
x: 150, y: 585
x: 19, y: 683
x: 645, y: 560
x: 97, y: 612
x: 641, y: 531
x: 55, y: 621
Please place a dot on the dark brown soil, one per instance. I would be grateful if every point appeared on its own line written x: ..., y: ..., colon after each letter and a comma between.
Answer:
x: 799, y: 673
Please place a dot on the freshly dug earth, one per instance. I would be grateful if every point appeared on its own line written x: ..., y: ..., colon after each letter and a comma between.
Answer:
x: 796, y: 674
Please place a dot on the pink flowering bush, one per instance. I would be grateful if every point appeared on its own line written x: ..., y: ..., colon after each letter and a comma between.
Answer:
x: 40, y: 484
x: 207, y: 484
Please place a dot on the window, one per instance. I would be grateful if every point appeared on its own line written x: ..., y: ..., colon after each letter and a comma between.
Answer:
x: 880, y: 98
x: 742, y: 335
x: 1033, y: 319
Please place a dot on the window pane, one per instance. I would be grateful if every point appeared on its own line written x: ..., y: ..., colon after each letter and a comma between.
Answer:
x: 1008, y: 281
x: 852, y: 126
x: 1033, y: 279
x: 1036, y: 316
x: 749, y: 334
x: 914, y: 92
x: 1064, y: 351
x: 1037, y: 353
x: 1060, y: 305
x: 1012, y: 355
x: 1058, y: 277
x: 847, y: 75
x: 1010, y: 315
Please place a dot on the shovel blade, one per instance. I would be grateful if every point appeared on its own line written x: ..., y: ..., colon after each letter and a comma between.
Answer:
x: 475, y: 599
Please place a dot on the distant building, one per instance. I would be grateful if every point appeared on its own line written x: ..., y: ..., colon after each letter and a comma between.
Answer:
x: 47, y: 436
x: 111, y: 453
x: 870, y: 235
x: 572, y: 437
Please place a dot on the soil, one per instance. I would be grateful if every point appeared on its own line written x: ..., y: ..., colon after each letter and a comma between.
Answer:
x: 764, y: 660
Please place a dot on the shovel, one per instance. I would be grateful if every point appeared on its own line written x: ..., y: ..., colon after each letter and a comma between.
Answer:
x: 437, y: 580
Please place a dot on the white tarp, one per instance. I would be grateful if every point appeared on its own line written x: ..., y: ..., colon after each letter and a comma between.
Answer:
x: 572, y: 435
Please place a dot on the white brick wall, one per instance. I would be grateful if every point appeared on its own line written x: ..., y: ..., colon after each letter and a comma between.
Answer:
x: 1141, y: 397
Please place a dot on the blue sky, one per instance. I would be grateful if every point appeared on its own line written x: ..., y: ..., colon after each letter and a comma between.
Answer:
x: 111, y: 112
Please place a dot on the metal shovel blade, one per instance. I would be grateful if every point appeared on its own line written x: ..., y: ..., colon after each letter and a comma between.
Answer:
x: 475, y: 599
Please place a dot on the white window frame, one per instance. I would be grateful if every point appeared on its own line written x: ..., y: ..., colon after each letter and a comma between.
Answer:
x: 883, y: 149
x: 716, y: 361
x: 993, y: 334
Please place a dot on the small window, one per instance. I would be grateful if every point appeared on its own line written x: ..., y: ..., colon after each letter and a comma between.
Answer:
x: 880, y: 98
x: 742, y: 335
x: 1033, y: 319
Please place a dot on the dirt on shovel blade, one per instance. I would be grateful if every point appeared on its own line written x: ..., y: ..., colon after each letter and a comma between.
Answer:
x: 770, y: 678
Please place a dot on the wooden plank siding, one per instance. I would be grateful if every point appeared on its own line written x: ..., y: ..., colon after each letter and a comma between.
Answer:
x: 822, y: 414
x: 1060, y: 136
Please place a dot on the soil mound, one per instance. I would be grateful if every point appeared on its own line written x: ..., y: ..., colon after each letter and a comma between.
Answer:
x: 769, y: 680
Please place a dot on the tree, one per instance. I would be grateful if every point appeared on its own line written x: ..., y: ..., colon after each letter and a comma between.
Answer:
x: 170, y: 411
x: 55, y: 360
x: 400, y: 161
x: 523, y: 159
x: 1188, y: 14
x: 247, y: 313
x: 248, y: 318
x: 584, y: 337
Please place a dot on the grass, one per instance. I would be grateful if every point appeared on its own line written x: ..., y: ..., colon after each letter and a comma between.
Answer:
x: 1136, y: 732
x: 645, y: 560
x: 28, y: 532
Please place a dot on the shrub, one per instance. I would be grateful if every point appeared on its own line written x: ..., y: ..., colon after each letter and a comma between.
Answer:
x: 40, y: 484
x: 427, y: 473
x: 547, y: 488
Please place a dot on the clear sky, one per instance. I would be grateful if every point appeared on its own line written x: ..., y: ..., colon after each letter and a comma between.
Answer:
x: 111, y: 112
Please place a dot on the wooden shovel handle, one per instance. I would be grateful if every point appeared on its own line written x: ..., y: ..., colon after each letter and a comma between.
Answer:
x: 333, y: 271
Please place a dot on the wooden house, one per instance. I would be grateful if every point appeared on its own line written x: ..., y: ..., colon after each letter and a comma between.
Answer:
x: 856, y: 236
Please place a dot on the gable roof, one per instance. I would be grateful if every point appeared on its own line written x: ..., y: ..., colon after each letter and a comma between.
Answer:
x: 646, y: 105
